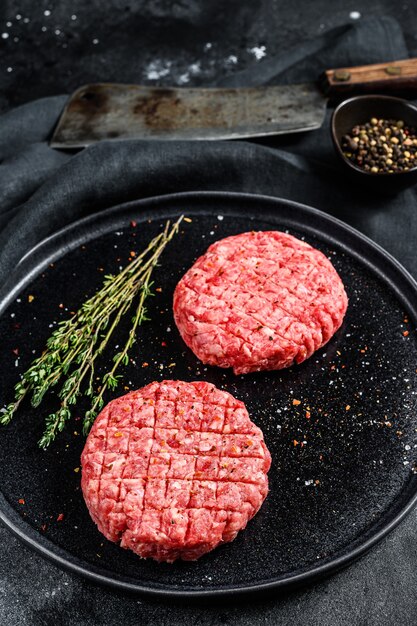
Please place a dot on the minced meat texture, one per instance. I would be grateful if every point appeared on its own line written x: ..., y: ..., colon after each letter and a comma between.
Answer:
x: 259, y: 301
x: 174, y: 469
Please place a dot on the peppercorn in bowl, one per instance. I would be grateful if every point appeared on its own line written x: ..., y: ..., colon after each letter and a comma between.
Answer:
x: 376, y: 138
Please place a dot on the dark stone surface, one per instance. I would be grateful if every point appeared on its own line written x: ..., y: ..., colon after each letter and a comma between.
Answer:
x: 378, y: 590
x: 139, y: 41
x: 178, y: 41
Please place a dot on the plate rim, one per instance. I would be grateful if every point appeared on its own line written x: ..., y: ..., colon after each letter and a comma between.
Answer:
x: 27, y: 268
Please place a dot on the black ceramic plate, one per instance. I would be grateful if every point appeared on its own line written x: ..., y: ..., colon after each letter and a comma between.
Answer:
x: 340, y: 478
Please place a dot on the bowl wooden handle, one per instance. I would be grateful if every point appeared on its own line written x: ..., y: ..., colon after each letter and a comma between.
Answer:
x: 393, y: 76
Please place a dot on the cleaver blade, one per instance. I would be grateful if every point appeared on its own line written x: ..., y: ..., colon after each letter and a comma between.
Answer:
x: 107, y: 111
x: 115, y: 111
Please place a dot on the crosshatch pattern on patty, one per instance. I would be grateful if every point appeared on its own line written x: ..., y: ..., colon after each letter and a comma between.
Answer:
x: 259, y: 300
x: 174, y: 469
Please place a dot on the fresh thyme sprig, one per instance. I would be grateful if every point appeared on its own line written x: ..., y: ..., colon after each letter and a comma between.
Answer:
x: 73, y: 348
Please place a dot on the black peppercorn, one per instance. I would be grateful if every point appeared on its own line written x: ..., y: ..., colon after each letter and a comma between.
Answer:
x: 381, y: 146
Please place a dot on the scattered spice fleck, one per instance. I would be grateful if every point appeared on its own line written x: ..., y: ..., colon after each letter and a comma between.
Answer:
x: 163, y: 344
x: 158, y: 289
x: 76, y: 470
x: 296, y: 402
x: 406, y: 333
x: 21, y: 501
x: 348, y: 407
x: 118, y: 434
x: 145, y: 364
x: 133, y: 223
x: 60, y: 517
x: 188, y: 219
x: 31, y: 298
x: 43, y: 527
x: 308, y: 415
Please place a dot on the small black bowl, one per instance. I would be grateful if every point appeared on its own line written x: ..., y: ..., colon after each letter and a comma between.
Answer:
x: 360, y: 110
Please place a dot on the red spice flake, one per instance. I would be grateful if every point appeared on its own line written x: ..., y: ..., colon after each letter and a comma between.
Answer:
x: 338, y: 352
x: 406, y: 320
x: 132, y: 253
x: 333, y: 367
x: 347, y: 407
x: 133, y: 223
x: 145, y: 364
x: 317, y: 482
x: 43, y: 527
x: 61, y: 306
x: 158, y: 289
x: 321, y: 457
x: 15, y: 351
x: 60, y: 517
x: 308, y: 415
x: 296, y: 402
x: 17, y: 325
x: 406, y: 333
x: 31, y: 298
x: 163, y: 344
x: 295, y: 442
x: 21, y: 501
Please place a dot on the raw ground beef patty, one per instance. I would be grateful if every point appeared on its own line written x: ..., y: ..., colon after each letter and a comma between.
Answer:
x: 259, y: 301
x: 174, y: 469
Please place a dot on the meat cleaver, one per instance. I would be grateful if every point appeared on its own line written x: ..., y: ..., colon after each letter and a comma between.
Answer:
x: 116, y: 111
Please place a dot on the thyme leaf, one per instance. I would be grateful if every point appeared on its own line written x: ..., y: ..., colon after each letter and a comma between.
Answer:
x: 71, y: 351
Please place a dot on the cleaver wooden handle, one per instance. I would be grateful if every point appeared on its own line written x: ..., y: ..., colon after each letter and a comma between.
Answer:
x: 398, y: 76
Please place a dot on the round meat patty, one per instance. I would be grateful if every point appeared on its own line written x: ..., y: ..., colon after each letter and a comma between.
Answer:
x: 174, y: 469
x: 259, y: 301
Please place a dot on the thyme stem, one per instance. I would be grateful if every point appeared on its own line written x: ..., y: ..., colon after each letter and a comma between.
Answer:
x: 73, y: 348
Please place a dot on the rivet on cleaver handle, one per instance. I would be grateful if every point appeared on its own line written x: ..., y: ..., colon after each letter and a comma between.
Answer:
x: 114, y: 111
